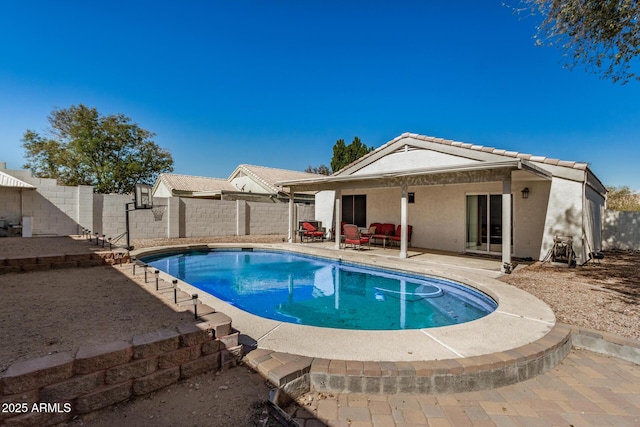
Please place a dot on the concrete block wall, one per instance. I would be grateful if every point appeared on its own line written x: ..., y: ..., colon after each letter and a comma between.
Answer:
x: 61, y: 210
x: 621, y: 230
x: 55, y: 209
x: 204, y: 218
x: 101, y: 375
x: 109, y: 214
x: 109, y: 217
x: 143, y: 223
x: 266, y: 218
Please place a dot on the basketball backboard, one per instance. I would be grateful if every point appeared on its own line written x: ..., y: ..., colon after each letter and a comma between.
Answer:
x: 143, y: 199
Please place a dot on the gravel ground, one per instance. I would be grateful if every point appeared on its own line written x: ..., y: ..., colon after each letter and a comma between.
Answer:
x: 602, y: 294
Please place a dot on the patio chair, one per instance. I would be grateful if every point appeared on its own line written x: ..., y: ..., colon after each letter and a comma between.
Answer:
x: 373, y: 229
x: 311, y: 232
x: 385, y: 231
x: 352, y: 236
x: 396, y: 236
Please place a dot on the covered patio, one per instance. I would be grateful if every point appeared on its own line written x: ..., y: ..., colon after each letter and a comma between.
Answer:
x: 507, y: 173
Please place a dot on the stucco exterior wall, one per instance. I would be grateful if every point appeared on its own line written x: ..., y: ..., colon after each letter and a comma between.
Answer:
x: 162, y: 190
x: 412, y: 159
x: 529, y: 216
x: 324, y: 210
x: 594, y: 214
x: 248, y: 184
x: 564, y: 217
x: 438, y: 216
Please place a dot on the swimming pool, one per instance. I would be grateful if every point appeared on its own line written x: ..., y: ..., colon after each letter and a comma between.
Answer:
x: 314, y: 291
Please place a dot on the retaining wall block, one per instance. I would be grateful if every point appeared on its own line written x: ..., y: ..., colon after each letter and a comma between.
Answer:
x: 230, y: 340
x: 135, y: 369
x: 20, y: 261
x: 90, y: 358
x: 72, y: 388
x: 50, y: 259
x: 43, y: 418
x: 193, y: 334
x: 220, y: 323
x: 29, y: 397
x: 210, y: 347
x: 103, y: 397
x: 66, y: 264
x: 200, y: 366
x: 178, y: 357
x: 155, y: 343
x: 156, y: 381
x: 77, y: 257
x: 36, y: 373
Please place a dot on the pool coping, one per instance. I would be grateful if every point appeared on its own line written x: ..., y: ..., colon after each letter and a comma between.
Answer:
x: 517, y: 341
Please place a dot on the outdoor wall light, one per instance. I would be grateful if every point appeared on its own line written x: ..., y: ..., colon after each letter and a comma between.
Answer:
x: 525, y: 193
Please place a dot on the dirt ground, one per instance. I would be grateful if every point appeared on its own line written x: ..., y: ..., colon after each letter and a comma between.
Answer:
x: 602, y: 294
x: 58, y: 310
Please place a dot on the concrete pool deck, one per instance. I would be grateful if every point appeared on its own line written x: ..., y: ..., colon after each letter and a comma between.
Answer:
x: 517, y: 341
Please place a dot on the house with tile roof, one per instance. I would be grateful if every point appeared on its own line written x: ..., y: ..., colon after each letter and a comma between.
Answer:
x: 462, y: 197
x: 246, y: 182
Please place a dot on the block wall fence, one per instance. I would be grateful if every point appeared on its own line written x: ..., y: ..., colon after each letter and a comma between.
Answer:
x: 186, y: 217
x: 621, y: 230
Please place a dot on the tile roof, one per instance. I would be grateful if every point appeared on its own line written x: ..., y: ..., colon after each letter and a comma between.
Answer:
x: 191, y: 183
x: 539, y: 159
x: 265, y: 175
x: 269, y: 176
x: 479, y: 148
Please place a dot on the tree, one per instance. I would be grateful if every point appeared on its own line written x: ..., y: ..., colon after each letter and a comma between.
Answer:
x: 604, y: 35
x: 622, y: 199
x: 321, y: 170
x: 85, y: 148
x: 346, y: 154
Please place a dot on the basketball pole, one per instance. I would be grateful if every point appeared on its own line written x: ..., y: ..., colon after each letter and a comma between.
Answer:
x: 127, y: 210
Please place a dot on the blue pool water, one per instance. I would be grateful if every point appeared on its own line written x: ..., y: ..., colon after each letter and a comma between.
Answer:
x: 314, y: 291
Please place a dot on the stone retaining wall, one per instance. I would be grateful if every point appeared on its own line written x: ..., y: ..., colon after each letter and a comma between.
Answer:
x: 52, y: 389
x: 40, y: 263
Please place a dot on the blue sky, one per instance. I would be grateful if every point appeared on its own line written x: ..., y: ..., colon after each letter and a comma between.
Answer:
x: 276, y: 83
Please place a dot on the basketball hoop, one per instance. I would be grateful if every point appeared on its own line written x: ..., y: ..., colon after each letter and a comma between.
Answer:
x: 142, y: 197
x: 158, y: 212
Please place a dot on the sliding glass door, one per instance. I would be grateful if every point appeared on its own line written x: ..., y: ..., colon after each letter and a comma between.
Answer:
x: 354, y: 209
x: 484, y: 223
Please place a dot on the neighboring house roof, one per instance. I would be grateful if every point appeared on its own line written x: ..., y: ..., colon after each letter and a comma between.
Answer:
x: 192, y: 184
x: 199, y: 186
x: 472, y: 148
x: 269, y: 176
x: 8, y: 181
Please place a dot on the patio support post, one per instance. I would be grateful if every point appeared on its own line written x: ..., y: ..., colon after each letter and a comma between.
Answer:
x: 338, y: 217
x: 506, y: 226
x: 404, y: 229
x: 292, y: 230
